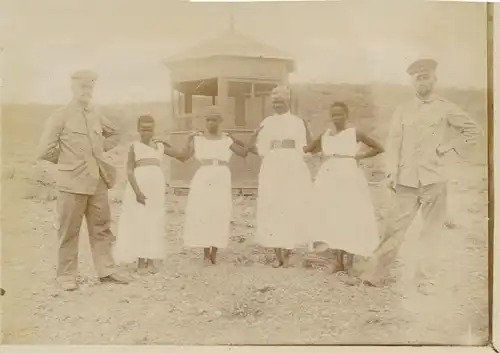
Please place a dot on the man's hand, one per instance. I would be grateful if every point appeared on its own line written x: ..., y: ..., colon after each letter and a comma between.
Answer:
x: 139, y: 196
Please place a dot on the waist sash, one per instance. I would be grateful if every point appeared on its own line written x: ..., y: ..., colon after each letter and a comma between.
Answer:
x: 287, y: 143
x: 147, y: 162
x: 209, y: 162
x: 339, y: 156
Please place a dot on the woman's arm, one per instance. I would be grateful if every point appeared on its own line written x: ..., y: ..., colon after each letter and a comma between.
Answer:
x: 169, y: 150
x: 238, y: 147
x: 183, y: 155
x: 172, y: 152
x: 252, y: 144
x: 314, y: 146
x: 311, y: 145
x: 131, y: 176
x: 375, y: 147
x: 188, y: 151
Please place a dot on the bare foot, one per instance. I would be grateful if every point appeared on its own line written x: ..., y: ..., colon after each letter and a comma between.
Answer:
x: 351, y: 281
x: 152, y: 269
x: 338, y: 265
x: 336, y: 268
x: 278, y: 264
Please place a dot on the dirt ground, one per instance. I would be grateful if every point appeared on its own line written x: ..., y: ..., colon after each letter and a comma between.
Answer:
x: 242, y: 300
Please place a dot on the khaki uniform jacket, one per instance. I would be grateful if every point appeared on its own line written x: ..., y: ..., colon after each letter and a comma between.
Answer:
x: 75, y: 139
x: 417, y: 129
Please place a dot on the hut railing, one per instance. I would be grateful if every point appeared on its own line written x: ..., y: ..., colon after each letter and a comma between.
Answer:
x: 229, y: 130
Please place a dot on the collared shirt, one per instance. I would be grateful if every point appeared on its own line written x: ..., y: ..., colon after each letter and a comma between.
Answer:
x: 418, y: 129
x: 75, y: 139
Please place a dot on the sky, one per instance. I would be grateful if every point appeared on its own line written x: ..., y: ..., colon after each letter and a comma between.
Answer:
x: 125, y: 41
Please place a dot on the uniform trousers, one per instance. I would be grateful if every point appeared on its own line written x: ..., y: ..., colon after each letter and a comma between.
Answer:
x: 71, y: 209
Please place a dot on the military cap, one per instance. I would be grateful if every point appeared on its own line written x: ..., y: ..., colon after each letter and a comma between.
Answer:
x: 421, y: 66
x: 84, y: 75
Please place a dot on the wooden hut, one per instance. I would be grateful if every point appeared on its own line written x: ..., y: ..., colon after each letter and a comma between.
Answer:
x: 238, y: 74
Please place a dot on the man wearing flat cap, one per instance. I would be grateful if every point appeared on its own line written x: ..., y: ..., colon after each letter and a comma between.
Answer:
x: 75, y: 138
x: 422, y: 132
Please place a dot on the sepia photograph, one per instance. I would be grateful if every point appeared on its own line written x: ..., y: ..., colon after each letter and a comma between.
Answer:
x: 269, y: 173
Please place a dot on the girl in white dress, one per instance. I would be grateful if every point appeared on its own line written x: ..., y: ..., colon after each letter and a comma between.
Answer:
x: 141, y: 227
x: 343, y: 216
x: 284, y: 179
x: 209, y: 206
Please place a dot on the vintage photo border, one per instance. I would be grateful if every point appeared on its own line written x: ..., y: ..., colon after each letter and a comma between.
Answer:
x: 494, y: 152
x: 493, y: 110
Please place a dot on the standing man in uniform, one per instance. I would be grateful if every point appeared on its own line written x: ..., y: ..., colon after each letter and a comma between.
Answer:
x: 75, y: 138
x: 418, y: 139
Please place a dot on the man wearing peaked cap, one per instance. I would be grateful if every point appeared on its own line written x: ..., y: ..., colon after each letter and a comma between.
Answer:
x: 422, y: 132
x: 75, y: 138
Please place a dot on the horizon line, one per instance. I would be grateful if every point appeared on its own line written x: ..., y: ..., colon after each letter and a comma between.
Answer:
x: 168, y: 101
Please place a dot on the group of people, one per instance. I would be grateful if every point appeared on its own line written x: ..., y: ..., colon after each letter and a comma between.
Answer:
x: 333, y: 210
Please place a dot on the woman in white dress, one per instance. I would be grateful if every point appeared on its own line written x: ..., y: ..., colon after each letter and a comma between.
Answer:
x: 209, y: 205
x: 284, y: 179
x: 141, y: 226
x: 343, y: 216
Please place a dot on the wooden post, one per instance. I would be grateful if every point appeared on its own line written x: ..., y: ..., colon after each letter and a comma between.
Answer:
x: 188, y: 103
x: 293, y: 103
x: 222, y: 95
x: 239, y: 118
x: 263, y: 102
x: 180, y: 99
x: 172, y: 109
x: 188, y: 109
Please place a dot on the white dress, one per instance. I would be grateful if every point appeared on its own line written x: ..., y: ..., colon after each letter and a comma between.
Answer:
x: 209, y: 205
x: 343, y: 216
x: 141, y: 228
x: 284, y: 184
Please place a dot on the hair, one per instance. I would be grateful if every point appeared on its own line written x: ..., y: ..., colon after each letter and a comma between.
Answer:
x: 145, y: 119
x: 341, y: 105
x: 213, y: 111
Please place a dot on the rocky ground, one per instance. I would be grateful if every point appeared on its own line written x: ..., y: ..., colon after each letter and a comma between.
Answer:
x: 242, y: 300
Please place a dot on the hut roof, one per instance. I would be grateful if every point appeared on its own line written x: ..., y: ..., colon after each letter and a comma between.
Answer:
x: 231, y: 44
